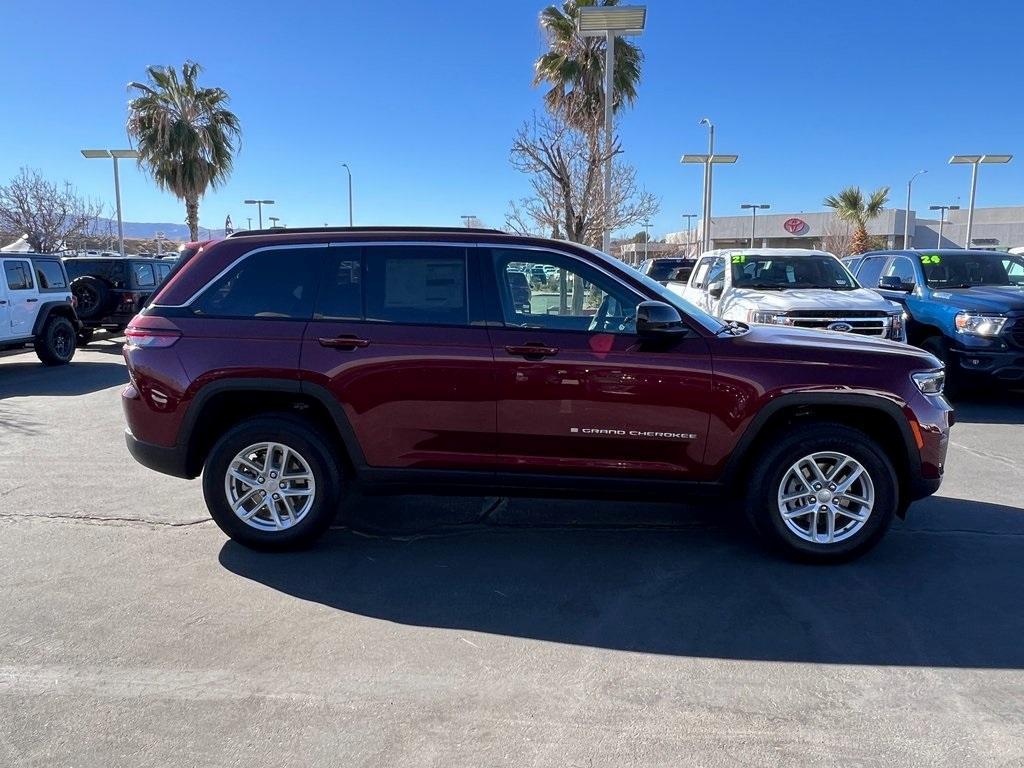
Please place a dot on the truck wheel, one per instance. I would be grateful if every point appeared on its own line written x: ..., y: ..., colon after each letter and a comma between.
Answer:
x: 823, y: 493
x: 272, y: 483
x: 55, y: 344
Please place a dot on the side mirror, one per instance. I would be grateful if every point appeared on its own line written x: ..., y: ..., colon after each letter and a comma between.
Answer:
x: 715, y: 289
x: 656, y: 320
x: 893, y: 283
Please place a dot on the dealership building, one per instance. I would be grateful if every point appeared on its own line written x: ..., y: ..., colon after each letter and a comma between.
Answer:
x: 998, y: 228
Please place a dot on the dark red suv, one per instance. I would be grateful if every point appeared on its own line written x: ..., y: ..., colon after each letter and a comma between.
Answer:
x: 289, y: 366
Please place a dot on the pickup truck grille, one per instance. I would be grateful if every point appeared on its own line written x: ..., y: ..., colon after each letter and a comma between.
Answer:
x: 1017, y: 332
x: 861, y: 322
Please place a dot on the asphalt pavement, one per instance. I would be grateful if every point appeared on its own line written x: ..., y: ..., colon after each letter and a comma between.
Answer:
x: 484, y: 631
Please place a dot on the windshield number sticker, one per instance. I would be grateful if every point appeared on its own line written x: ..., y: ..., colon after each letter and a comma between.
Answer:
x: 739, y: 258
x: 932, y: 258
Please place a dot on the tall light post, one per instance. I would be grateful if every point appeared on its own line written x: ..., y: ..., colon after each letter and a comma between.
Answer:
x: 689, y: 230
x: 349, y: 170
x: 906, y: 215
x: 116, y: 154
x: 647, y: 237
x: 975, y: 161
x: 942, y: 217
x: 609, y: 22
x: 273, y: 221
x: 467, y: 219
x: 249, y: 219
x: 754, y: 208
x: 259, y: 207
x: 707, y: 161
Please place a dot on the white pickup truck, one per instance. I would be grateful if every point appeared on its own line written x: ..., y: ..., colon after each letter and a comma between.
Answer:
x: 789, y: 286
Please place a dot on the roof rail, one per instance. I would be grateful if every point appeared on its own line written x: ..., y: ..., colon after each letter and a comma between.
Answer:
x: 317, y: 230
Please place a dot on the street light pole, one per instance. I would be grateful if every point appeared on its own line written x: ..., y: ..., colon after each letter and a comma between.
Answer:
x: 906, y: 215
x: 975, y: 161
x: 345, y: 166
x: 942, y: 218
x: 689, y: 230
x: 647, y: 237
x: 754, y: 208
x: 706, y: 226
x: 115, y: 154
x: 610, y: 22
x: 708, y: 161
x: 259, y: 207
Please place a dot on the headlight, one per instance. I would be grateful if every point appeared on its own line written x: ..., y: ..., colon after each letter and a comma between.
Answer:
x: 765, y: 318
x: 976, y: 324
x: 930, y: 382
x: 896, y: 326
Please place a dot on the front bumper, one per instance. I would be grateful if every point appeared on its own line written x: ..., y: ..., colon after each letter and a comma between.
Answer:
x: 1005, y: 365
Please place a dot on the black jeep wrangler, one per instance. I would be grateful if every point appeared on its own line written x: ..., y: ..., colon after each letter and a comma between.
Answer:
x: 111, y: 290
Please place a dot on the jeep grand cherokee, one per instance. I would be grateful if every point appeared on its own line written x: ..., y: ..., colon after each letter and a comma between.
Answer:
x: 287, y: 366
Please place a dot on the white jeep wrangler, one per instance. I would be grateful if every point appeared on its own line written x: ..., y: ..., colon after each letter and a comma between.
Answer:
x: 36, y: 307
x: 789, y: 286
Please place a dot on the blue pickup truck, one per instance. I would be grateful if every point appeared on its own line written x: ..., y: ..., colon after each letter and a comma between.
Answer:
x: 965, y: 307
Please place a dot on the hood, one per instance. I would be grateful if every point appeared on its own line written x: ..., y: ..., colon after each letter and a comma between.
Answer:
x: 837, y: 347
x: 813, y: 298
x: 984, y: 298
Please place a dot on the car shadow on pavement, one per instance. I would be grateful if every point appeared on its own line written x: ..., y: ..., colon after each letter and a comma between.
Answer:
x: 78, y: 378
x: 1005, y: 407
x: 943, y: 589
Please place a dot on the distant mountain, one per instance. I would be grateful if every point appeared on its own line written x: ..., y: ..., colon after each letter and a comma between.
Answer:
x: 138, y: 230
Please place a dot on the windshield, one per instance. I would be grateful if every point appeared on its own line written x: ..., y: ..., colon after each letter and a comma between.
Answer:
x: 966, y: 270
x: 663, y: 269
x: 775, y: 272
x: 709, y: 322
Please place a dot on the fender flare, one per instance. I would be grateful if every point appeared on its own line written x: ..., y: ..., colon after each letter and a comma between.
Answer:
x: 833, y: 399
x: 46, y: 309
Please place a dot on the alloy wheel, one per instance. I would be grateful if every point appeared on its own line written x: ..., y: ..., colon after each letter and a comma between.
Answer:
x: 270, y: 486
x: 826, y: 497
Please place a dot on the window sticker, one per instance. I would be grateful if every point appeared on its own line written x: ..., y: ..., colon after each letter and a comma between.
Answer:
x: 931, y: 258
x: 739, y: 258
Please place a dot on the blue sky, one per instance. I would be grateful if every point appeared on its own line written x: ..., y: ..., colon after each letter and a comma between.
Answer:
x: 422, y: 99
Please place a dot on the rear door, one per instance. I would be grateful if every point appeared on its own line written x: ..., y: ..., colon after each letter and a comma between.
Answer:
x: 578, y: 391
x: 398, y: 340
x: 22, y: 297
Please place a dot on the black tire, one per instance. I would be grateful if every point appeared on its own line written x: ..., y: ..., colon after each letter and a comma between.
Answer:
x: 93, y: 296
x: 85, y: 336
x: 771, y: 469
x: 957, y: 382
x: 55, y: 344
x: 298, y: 436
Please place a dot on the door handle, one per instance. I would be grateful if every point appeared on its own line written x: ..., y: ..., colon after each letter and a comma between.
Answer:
x: 532, y: 350
x: 30, y: 301
x: 343, y: 342
x: 2, y: 302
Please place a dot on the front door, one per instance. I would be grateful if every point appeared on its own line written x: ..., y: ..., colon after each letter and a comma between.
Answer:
x: 578, y: 391
x: 396, y: 340
x: 22, y: 298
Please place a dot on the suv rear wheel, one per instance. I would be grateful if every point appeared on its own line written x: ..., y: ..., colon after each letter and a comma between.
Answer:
x: 824, y: 493
x: 272, y: 483
x: 55, y: 344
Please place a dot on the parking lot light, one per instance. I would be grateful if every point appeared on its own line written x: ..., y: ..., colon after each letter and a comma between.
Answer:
x: 754, y: 208
x: 942, y: 217
x: 974, y: 161
x: 115, y: 154
x: 259, y: 205
x: 906, y: 216
x: 708, y: 161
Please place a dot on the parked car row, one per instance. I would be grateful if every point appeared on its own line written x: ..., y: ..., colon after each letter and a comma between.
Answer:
x: 288, y: 367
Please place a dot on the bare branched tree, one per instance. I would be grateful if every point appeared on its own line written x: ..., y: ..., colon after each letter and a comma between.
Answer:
x: 564, y: 162
x: 837, y: 238
x: 49, y: 214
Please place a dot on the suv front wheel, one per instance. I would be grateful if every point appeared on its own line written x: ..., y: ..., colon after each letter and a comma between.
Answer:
x: 824, y: 493
x: 272, y: 483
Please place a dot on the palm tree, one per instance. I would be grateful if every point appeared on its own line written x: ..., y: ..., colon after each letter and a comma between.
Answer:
x: 851, y: 207
x: 186, y: 135
x: 573, y: 66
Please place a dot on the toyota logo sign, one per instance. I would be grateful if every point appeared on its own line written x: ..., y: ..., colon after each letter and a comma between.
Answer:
x: 795, y: 226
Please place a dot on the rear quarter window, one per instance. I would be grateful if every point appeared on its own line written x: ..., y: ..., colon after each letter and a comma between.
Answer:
x: 49, y: 275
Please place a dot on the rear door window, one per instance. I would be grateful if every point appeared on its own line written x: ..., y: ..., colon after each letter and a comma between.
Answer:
x: 279, y: 283
x: 871, y: 271
x: 341, y: 288
x: 49, y: 274
x: 415, y: 284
